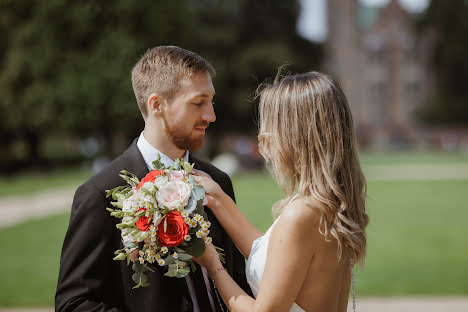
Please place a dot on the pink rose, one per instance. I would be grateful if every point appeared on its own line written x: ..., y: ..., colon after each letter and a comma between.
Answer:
x: 176, y: 175
x: 173, y: 194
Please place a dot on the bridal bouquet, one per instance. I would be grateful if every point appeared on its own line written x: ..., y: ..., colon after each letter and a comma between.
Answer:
x: 162, y: 220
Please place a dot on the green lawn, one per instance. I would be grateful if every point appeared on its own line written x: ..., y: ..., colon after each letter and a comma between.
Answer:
x: 418, y: 239
x: 30, y: 261
x: 417, y: 235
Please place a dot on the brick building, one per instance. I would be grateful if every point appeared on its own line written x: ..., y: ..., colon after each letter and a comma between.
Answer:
x: 381, y: 64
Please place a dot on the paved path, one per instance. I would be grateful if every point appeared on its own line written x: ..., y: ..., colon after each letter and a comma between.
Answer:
x: 410, y: 304
x: 17, y: 209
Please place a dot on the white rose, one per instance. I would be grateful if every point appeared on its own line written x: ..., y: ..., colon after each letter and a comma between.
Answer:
x: 149, y: 186
x: 160, y: 181
x: 173, y: 194
x: 176, y: 175
x: 129, y: 204
x: 157, y: 217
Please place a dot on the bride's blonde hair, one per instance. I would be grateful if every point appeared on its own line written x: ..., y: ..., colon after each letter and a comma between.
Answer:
x: 307, y: 139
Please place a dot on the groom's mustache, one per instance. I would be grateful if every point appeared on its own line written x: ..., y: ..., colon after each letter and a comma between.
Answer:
x: 203, y: 124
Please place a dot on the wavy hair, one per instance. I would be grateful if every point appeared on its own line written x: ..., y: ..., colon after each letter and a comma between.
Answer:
x: 307, y: 139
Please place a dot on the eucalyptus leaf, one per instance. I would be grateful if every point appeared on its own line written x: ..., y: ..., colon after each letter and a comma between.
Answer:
x: 197, y: 247
x: 191, y: 205
x: 171, y: 273
x: 169, y: 260
x: 183, y: 272
x: 184, y: 256
x: 198, y: 192
x: 157, y: 163
x: 129, y: 244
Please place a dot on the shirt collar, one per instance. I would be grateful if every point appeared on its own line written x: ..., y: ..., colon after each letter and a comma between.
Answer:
x: 150, y: 153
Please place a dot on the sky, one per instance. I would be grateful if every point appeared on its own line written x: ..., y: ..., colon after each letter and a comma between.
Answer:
x: 312, y: 23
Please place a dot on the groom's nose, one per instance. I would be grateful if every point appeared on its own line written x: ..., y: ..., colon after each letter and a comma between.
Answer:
x: 209, y: 113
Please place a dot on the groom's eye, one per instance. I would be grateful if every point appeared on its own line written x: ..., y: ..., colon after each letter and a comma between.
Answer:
x: 198, y: 104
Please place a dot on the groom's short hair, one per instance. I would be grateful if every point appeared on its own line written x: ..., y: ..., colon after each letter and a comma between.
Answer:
x: 160, y: 69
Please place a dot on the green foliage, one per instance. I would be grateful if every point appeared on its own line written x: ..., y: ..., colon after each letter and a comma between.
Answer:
x: 139, y: 277
x: 448, y: 20
x: 66, y: 64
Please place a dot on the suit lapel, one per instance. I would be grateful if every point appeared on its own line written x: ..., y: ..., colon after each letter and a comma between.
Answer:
x: 135, y: 161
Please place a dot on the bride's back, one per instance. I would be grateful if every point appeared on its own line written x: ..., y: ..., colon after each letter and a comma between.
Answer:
x: 327, y: 283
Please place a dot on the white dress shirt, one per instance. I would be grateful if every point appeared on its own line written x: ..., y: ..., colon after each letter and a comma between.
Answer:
x: 150, y: 154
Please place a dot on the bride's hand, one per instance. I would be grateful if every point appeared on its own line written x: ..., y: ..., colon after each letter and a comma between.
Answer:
x: 209, y: 259
x: 213, y: 191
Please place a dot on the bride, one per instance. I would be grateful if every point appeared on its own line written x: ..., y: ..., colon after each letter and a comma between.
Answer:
x: 304, y: 261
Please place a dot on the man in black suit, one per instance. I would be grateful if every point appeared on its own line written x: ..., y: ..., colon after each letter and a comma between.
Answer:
x: 174, y: 92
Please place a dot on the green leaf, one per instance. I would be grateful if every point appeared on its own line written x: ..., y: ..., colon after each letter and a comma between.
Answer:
x: 188, y: 167
x: 140, y: 279
x: 129, y: 244
x: 197, y: 247
x: 198, y: 192
x: 171, y: 273
x: 177, y: 164
x: 140, y: 213
x: 145, y: 191
x: 191, y: 205
x: 184, y: 256
x: 157, y: 164
x: 120, y: 256
x: 138, y: 267
x: 183, y: 272
x: 169, y: 260
x: 165, y: 225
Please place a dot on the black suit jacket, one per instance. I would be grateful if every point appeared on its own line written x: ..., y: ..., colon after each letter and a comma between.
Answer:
x: 89, y: 280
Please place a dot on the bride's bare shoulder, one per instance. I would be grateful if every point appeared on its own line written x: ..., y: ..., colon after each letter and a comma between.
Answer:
x: 302, y: 219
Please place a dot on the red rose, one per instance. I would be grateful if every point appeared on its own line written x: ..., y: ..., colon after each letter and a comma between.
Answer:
x: 176, y: 230
x: 150, y: 177
x: 142, y: 223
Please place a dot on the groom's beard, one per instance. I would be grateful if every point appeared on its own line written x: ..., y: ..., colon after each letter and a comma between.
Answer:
x: 185, y: 140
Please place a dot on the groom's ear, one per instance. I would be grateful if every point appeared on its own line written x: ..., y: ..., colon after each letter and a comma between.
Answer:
x: 154, y: 104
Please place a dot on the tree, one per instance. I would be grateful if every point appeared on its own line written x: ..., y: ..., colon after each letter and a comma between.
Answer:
x: 66, y: 64
x: 449, y: 21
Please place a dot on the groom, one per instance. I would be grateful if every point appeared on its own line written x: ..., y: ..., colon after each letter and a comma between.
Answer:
x: 174, y: 92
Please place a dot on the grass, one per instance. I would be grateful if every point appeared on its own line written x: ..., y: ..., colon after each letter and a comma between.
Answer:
x: 36, y: 182
x: 417, y: 240
x: 417, y: 235
x: 30, y: 262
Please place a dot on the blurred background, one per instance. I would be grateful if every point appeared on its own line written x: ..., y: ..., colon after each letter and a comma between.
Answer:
x: 68, y: 109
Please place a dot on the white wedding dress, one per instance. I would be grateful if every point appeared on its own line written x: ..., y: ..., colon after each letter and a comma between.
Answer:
x: 256, y: 263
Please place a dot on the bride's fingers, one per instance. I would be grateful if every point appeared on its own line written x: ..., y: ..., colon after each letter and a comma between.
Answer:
x: 200, y: 173
x: 200, y: 179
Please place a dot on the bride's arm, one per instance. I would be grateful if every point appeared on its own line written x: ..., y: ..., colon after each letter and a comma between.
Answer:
x: 290, y: 250
x: 236, y: 225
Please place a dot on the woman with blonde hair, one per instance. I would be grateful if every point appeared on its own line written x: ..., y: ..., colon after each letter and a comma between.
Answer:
x: 304, y: 261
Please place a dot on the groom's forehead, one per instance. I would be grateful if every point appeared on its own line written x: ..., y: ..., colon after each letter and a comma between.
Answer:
x: 199, y: 85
